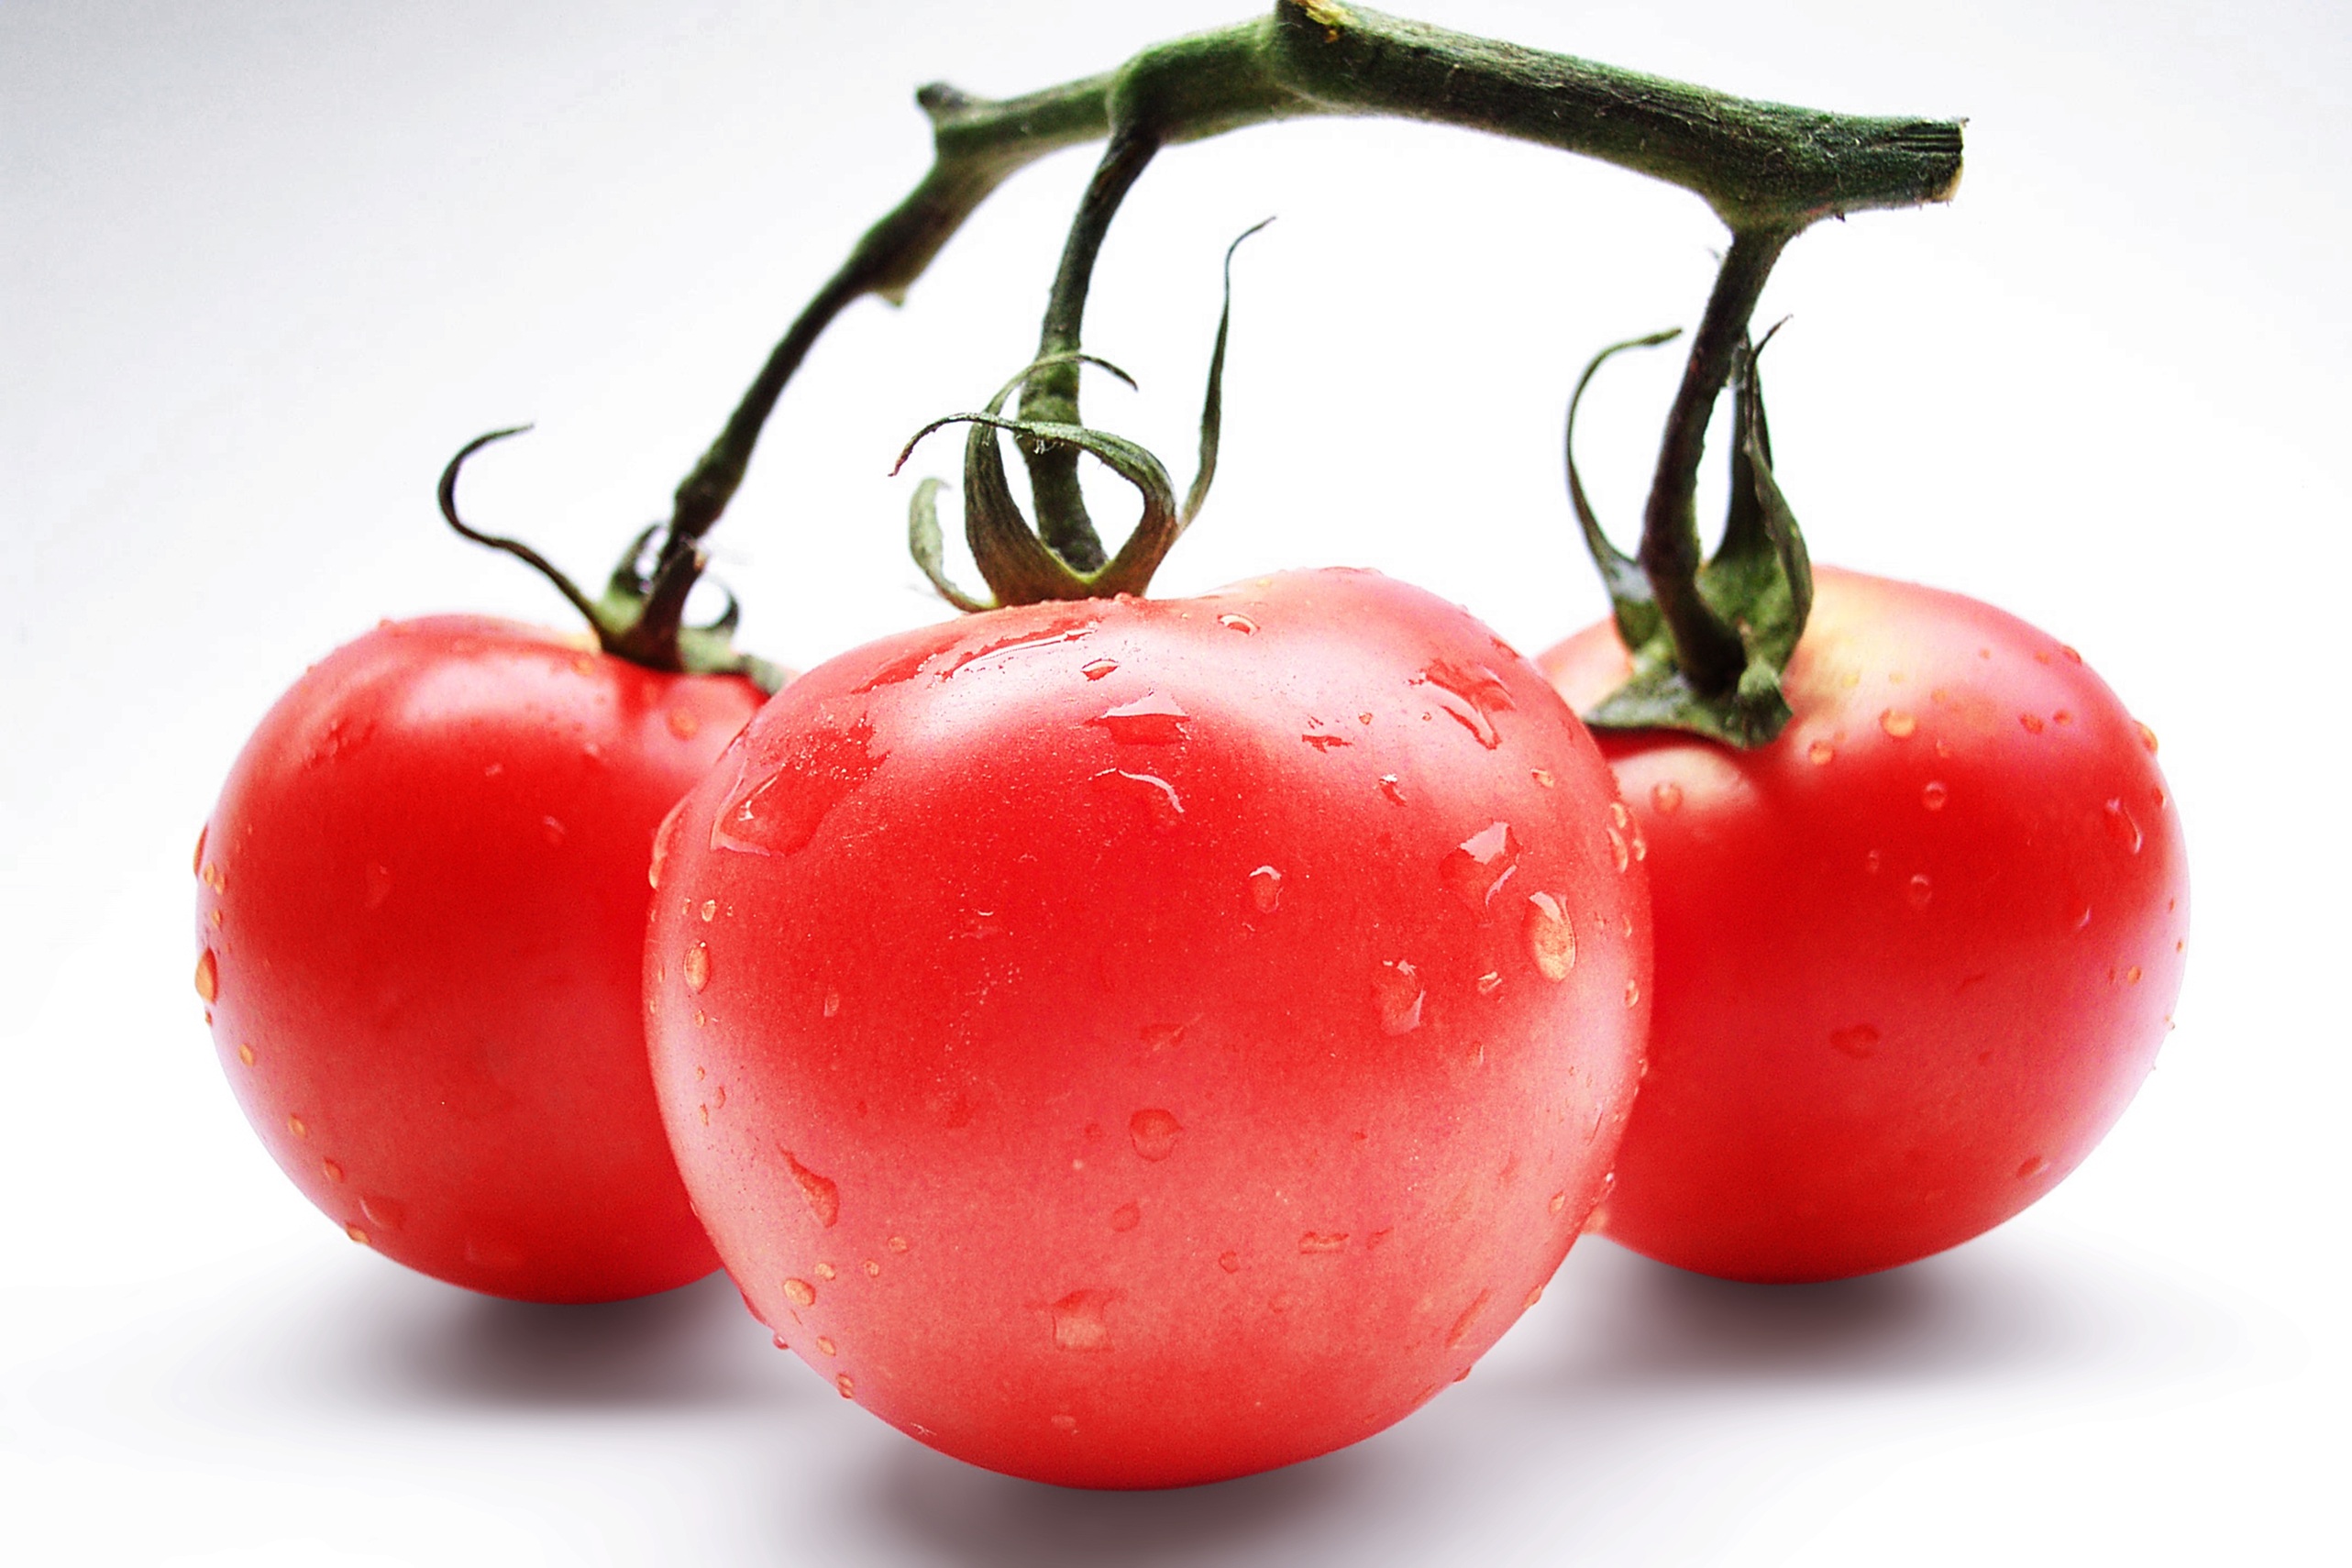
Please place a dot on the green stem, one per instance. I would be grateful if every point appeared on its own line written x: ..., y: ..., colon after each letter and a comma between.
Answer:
x: 1764, y: 168
x: 1709, y: 651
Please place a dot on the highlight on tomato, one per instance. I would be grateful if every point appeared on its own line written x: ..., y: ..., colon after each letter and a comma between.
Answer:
x: 1921, y: 902
x: 422, y: 896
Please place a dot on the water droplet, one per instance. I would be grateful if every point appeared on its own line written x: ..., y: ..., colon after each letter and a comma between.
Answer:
x: 208, y: 975
x: 1281, y: 1301
x: 825, y: 1345
x: 1154, y: 1134
x: 1149, y: 720
x: 833, y: 1002
x: 1897, y: 723
x: 356, y: 1233
x: 1667, y: 796
x: 1934, y: 795
x: 297, y: 1126
x: 552, y: 830
x: 1266, y: 890
x: 696, y: 967
x: 873, y: 1270
x: 781, y: 814
x: 1618, y: 849
x: 389, y: 1213
x: 1323, y: 1242
x: 2061, y: 717
x: 2146, y: 738
x: 2131, y: 974
x: 2033, y: 1167
x: 1126, y: 1217
x: 245, y: 1054
x: 826, y: 1271
x: 331, y: 1171
x: 1820, y: 752
x: 215, y: 917
x: 1918, y: 891
x: 1471, y: 695
x: 778, y: 1342
x: 710, y: 910
x: 1480, y: 865
x: 1872, y: 861
x: 2070, y: 653
x: 1488, y: 983
x: 1461, y: 1330
x: 1633, y: 993
x: 664, y: 836
x: 1026, y: 642
x: 1396, y: 998
x: 1326, y: 742
x: 1161, y: 806
x: 1229, y: 1261
x: 684, y: 724
x: 1558, y: 1202
x: 1390, y: 787
x: 1550, y: 936
x: 1241, y: 624
x: 1097, y: 668
x: 2121, y: 828
x: 196, y: 866
x: 1861, y: 1042
x: 823, y: 1198
x: 1065, y: 1423
x: 1079, y: 1323
x: 1542, y: 777
x: 897, y: 1244
x: 799, y: 1293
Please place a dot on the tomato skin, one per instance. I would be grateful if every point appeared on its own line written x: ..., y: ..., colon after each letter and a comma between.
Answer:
x: 1072, y: 1034
x: 1914, y: 956
x: 422, y: 905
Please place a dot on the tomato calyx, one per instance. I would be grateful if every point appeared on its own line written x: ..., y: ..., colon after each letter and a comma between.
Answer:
x: 1757, y: 588
x: 1021, y: 562
x: 641, y: 616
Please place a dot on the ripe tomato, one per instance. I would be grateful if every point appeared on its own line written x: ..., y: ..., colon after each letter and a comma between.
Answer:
x: 422, y: 912
x: 1133, y: 1043
x: 1914, y: 956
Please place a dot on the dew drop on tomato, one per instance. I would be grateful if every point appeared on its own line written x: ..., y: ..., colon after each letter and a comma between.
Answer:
x: 1266, y: 890
x: 1080, y: 1322
x: 1550, y: 936
x: 2122, y: 828
x: 1480, y: 865
x: 1154, y: 1134
x: 1396, y: 996
x: 1149, y: 720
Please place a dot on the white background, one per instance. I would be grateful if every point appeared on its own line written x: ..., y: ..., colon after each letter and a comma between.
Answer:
x: 267, y: 265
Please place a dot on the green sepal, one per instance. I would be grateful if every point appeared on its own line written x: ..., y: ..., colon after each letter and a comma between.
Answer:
x: 1759, y: 584
x: 1015, y: 561
x: 640, y: 617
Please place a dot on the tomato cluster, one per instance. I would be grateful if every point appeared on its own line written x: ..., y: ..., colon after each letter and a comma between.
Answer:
x: 1133, y: 1042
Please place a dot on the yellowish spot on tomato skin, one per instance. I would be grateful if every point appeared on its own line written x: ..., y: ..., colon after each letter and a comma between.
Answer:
x: 799, y: 1293
x: 826, y: 1346
x: 847, y: 1385
x: 1898, y: 723
x: 897, y: 1244
x: 331, y: 1171
x: 826, y: 1271
x: 684, y: 724
x: 208, y: 976
x: 245, y: 1054
x: 297, y: 1126
x: 1821, y: 753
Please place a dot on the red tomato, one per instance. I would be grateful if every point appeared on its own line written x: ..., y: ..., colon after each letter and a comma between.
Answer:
x: 1914, y: 956
x: 422, y: 916
x: 1133, y: 1043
